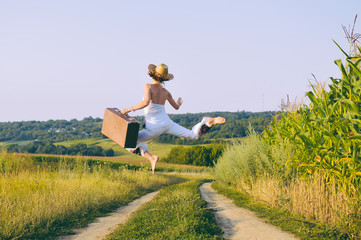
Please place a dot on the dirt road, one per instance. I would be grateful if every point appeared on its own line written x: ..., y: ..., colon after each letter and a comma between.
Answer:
x: 236, y: 222
x: 105, y: 225
x: 239, y: 223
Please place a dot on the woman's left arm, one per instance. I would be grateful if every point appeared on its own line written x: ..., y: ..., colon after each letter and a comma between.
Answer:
x: 142, y: 104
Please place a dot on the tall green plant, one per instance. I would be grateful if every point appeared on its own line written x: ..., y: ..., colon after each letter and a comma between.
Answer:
x: 251, y: 158
x: 326, y: 134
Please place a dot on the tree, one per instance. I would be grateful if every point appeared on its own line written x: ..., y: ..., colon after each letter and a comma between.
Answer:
x: 109, y: 152
x: 13, y: 148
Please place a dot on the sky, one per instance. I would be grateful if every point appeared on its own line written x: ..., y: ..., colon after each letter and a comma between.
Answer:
x: 73, y: 58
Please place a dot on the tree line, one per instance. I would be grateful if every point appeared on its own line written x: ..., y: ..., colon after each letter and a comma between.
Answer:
x: 46, y: 147
x: 51, y: 130
x: 63, y: 130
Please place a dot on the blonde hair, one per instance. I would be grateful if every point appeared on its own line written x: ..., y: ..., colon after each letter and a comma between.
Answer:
x: 157, y: 77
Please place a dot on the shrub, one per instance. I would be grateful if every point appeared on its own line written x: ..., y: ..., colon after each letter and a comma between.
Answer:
x: 195, y: 155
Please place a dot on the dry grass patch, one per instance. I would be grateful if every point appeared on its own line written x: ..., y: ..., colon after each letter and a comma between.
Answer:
x: 312, y: 198
x: 41, y: 202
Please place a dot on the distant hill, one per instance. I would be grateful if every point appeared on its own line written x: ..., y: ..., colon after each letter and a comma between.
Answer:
x: 52, y: 130
x: 63, y: 130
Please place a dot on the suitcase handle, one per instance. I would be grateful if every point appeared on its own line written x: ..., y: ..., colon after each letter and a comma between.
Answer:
x: 117, y: 110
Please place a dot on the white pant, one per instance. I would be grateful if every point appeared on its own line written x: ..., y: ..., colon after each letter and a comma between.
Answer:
x: 157, y: 122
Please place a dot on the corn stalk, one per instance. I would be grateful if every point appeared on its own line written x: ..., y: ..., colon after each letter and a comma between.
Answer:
x: 326, y: 134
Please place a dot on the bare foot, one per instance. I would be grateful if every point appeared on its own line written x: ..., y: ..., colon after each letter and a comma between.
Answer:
x: 153, y: 159
x: 154, y: 162
x: 215, y: 121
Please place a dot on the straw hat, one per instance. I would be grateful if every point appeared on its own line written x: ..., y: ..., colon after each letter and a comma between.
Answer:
x: 160, y: 72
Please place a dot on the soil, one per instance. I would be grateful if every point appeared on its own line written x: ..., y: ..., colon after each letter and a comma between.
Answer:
x: 239, y: 223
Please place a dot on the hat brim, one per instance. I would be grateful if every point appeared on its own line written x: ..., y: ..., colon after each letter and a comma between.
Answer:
x: 152, y: 67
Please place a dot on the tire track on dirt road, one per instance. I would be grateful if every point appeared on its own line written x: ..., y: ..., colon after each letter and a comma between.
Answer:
x: 105, y: 225
x: 240, y: 223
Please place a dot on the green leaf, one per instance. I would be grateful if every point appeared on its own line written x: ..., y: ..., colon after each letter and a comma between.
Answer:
x: 321, y: 111
x: 312, y: 97
x: 355, y: 68
x: 305, y: 139
x: 341, y: 49
x: 342, y: 68
x: 355, y: 120
x: 355, y: 137
x: 351, y: 106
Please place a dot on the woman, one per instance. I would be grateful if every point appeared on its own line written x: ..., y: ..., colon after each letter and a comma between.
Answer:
x: 157, y: 121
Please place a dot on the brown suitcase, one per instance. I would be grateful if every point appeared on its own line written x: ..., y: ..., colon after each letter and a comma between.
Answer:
x: 120, y: 128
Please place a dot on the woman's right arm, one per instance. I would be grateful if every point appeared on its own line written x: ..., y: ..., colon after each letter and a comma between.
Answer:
x: 143, y: 103
x: 174, y: 104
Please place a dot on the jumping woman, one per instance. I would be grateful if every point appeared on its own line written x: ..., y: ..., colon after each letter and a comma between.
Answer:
x: 157, y: 121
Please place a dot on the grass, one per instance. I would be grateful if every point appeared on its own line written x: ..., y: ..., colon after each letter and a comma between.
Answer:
x: 15, y: 142
x: 47, y: 198
x: 261, y: 172
x: 104, y: 143
x: 177, y: 212
x: 326, y: 203
x: 160, y: 149
x: 139, y: 163
x: 278, y: 216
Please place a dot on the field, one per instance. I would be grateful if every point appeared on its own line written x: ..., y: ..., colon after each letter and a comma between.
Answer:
x: 16, y: 142
x: 46, y: 196
x: 159, y: 149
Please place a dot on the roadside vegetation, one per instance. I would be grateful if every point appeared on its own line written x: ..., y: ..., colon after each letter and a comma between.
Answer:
x: 177, y: 212
x: 308, y: 161
x: 43, y: 197
x: 297, y: 224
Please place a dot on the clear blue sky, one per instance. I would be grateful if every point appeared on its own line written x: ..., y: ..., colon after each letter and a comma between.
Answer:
x: 73, y: 58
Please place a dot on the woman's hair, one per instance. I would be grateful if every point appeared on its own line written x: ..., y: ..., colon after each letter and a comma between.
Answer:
x: 156, y: 76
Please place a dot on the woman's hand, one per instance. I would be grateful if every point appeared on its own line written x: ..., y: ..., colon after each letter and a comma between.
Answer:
x: 125, y: 110
x: 179, y: 101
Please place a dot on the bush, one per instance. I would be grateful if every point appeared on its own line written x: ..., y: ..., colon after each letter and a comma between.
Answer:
x: 195, y: 155
x: 251, y: 158
x: 109, y: 152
